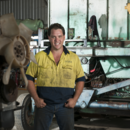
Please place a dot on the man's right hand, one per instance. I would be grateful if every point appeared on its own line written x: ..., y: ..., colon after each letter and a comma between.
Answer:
x: 40, y: 103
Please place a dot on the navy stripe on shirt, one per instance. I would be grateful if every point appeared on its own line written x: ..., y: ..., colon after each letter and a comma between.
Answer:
x: 55, y: 95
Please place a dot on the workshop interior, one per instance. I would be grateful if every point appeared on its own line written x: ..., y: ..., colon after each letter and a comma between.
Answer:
x: 98, y: 31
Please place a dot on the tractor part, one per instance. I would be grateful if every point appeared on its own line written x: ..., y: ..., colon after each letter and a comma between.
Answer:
x: 8, y: 92
x: 6, y: 119
x: 110, y: 105
x: 14, y: 45
x: 84, y: 98
x: 24, y: 118
x: 86, y: 95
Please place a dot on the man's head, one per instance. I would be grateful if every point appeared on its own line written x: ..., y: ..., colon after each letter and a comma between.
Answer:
x: 56, y: 36
x: 56, y: 26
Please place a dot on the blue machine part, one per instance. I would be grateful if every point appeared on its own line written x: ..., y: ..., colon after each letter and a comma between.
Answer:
x: 121, y: 64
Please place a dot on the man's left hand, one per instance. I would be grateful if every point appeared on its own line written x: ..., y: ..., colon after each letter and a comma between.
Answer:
x: 70, y: 103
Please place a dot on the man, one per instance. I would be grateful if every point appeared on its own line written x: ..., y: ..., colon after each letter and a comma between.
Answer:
x: 57, y: 71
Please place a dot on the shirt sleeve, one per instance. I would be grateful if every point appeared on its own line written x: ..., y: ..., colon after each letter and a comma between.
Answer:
x: 32, y: 71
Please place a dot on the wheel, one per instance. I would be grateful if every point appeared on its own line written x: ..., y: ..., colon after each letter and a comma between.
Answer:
x: 24, y: 118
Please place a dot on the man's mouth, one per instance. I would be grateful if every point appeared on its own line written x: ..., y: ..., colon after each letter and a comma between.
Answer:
x: 57, y: 43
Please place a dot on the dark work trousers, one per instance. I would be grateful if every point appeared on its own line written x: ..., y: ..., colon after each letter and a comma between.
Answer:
x: 44, y: 116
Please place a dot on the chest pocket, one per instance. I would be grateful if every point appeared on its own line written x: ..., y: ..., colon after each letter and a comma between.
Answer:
x: 67, y: 71
x: 45, y: 72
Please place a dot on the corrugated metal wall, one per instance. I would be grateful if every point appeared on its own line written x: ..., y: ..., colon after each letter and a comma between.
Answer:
x: 25, y: 9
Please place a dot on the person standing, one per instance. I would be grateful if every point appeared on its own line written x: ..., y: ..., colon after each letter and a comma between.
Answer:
x: 60, y: 81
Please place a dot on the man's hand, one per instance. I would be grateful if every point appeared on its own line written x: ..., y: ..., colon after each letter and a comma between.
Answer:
x: 70, y: 103
x: 40, y: 103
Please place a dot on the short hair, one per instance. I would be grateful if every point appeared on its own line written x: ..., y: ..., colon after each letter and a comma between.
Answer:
x: 56, y: 26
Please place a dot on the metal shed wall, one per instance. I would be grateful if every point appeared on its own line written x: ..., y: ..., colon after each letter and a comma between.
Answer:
x: 25, y: 9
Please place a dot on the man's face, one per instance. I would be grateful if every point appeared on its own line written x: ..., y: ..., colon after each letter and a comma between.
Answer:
x: 56, y: 39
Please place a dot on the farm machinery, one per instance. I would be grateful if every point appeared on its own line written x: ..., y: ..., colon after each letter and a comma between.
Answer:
x: 14, y: 56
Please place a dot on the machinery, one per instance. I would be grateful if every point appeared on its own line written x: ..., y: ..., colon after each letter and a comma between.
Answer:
x: 15, y: 55
x: 107, y: 89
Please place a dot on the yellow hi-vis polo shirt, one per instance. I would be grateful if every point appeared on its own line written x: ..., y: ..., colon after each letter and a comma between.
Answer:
x: 55, y: 83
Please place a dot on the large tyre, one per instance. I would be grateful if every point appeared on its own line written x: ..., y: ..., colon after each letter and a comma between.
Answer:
x: 24, y: 118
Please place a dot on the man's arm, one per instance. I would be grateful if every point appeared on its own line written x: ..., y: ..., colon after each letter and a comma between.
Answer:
x: 78, y: 90
x: 32, y: 90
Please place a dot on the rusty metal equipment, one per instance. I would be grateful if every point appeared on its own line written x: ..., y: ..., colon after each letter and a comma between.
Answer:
x: 108, y: 85
x: 15, y: 55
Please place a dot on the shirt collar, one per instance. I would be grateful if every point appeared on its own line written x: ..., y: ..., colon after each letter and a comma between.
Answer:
x: 47, y: 50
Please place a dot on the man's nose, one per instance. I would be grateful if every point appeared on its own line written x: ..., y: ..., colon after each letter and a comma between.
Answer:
x: 57, y: 39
